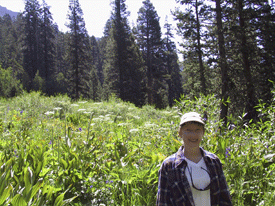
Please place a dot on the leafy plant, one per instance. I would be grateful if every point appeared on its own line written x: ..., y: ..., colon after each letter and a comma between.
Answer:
x: 53, y: 152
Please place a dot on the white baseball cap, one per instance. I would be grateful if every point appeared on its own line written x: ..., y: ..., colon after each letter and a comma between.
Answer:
x: 191, y: 117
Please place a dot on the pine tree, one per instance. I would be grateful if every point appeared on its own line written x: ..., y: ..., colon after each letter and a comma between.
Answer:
x: 78, y: 52
x: 190, y: 25
x: 61, y: 73
x: 264, y: 24
x: 1, y: 40
x: 123, y: 62
x: 8, y: 42
x: 148, y: 34
x: 251, y: 101
x: 96, y: 72
x: 173, y: 76
x: 243, y: 51
x: 97, y: 59
x: 47, y: 57
x: 10, y: 55
x: 223, y: 64
x: 31, y: 41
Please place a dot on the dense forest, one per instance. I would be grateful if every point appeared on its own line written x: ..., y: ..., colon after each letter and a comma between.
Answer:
x: 227, y: 47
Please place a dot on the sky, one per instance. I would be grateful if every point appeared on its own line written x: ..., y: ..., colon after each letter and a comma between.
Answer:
x: 97, y: 12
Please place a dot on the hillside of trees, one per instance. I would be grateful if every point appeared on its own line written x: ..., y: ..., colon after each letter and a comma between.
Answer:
x: 228, y: 49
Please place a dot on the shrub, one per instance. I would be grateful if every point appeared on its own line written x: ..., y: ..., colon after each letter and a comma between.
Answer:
x: 9, y: 85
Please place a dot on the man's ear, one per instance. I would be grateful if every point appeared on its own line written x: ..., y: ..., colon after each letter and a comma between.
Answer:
x: 180, y: 131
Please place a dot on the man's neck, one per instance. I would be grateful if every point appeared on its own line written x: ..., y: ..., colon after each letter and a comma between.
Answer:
x: 193, y: 154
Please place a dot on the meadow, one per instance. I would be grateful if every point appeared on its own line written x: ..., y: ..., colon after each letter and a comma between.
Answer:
x: 57, y: 152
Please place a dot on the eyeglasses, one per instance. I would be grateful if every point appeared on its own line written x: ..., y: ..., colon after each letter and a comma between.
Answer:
x: 188, y: 132
x: 207, y: 188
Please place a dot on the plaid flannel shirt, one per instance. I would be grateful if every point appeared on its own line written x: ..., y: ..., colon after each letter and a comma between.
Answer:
x: 174, y: 188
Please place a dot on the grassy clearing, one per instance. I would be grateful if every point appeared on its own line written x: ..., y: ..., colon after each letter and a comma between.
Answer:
x: 55, y: 152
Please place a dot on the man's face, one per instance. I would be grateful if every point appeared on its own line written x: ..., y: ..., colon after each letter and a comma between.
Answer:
x: 191, y: 134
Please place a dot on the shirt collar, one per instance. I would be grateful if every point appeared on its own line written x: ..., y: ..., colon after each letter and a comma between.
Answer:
x: 181, y: 158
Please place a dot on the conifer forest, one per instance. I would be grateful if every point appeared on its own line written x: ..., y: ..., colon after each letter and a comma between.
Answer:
x: 227, y: 49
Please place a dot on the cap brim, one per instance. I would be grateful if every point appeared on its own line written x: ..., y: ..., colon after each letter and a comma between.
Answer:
x: 192, y: 120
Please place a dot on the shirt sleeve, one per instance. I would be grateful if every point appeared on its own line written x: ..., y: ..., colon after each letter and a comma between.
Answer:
x: 225, y: 198
x: 163, y: 195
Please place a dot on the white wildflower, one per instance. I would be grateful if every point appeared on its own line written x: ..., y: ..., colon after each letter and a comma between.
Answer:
x: 147, y: 143
x: 135, y: 165
x: 107, y: 119
x: 57, y: 108
x: 123, y: 124
x: 148, y: 124
x: 81, y: 110
x: 97, y: 103
x: 133, y: 130
x: 74, y: 105
x: 49, y: 112
x: 97, y: 119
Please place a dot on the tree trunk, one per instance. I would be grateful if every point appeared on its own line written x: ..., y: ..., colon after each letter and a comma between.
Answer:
x: 149, y: 68
x: 250, y: 104
x: 223, y: 64
x: 202, y: 78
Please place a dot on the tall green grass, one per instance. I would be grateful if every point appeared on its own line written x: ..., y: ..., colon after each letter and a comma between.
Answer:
x: 57, y: 152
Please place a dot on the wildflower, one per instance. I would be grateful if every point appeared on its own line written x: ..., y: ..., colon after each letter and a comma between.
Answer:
x: 21, y: 112
x: 48, y: 113
x: 111, y: 181
x: 227, y: 152
x: 136, y: 117
x: 81, y: 110
x: 50, y: 142
x: 123, y: 124
x: 231, y: 126
x: 91, y: 186
x: 57, y: 108
x: 107, y: 182
x: 133, y: 130
x: 15, y: 153
x: 96, y: 103
x: 80, y: 129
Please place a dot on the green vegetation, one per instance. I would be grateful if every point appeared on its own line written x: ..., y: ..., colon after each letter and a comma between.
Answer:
x: 57, y: 152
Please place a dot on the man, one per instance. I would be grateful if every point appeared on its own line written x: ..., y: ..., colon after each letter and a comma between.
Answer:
x: 192, y: 176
